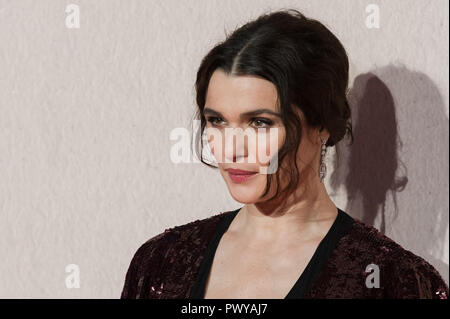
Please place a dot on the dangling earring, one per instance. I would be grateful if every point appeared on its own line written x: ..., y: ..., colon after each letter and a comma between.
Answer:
x: 322, y: 167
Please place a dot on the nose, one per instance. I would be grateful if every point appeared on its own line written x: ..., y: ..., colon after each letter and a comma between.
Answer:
x: 235, y: 145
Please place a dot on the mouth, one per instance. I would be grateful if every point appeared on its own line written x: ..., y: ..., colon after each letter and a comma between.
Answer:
x: 240, y: 176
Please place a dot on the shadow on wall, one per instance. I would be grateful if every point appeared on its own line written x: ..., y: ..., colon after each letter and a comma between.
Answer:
x: 385, y: 160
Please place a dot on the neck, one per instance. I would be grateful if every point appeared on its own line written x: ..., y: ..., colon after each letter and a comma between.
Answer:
x: 307, y: 212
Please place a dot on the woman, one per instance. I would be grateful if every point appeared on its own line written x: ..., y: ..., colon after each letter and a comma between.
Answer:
x: 280, y: 82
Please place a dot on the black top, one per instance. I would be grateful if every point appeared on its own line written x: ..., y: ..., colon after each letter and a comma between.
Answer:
x: 340, y: 226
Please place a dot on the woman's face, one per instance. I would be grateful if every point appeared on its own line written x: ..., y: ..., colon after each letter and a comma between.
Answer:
x: 244, y: 131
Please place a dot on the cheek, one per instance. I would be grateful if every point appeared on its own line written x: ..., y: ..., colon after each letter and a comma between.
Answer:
x: 215, y: 143
x: 306, y: 152
x: 268, y: 145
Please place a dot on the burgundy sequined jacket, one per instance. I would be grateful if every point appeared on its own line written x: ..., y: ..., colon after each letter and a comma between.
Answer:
x: 167, y: 264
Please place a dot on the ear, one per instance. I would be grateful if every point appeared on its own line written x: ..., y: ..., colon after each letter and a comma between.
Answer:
x: 323, y: 135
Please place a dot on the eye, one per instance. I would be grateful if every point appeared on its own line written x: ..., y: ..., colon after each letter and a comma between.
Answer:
x: 261, y: 122
x: 215, y: 120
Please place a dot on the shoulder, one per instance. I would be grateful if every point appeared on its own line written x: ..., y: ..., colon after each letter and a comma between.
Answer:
x: 176, y: 237
x: 403, y: 273
x: 184, y: 232
x: 174, y: 247
x: 411, y: 276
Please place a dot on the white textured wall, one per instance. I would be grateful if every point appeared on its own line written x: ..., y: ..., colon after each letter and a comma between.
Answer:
x: 85, y: 117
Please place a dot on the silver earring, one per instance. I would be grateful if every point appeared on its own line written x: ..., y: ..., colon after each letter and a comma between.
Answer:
x: 322, y: 167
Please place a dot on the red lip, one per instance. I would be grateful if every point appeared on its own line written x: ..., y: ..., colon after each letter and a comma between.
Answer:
x: 239, y: 175
x: 240, y: 172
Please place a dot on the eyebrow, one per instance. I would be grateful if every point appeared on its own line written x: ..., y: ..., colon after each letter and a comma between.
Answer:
x: 243, y: 115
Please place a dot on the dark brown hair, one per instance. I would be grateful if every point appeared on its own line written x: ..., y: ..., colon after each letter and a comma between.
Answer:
x: 306, y: 63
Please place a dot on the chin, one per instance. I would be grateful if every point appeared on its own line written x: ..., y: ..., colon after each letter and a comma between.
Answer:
x: 248, y: 192
x: 244, y: 198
